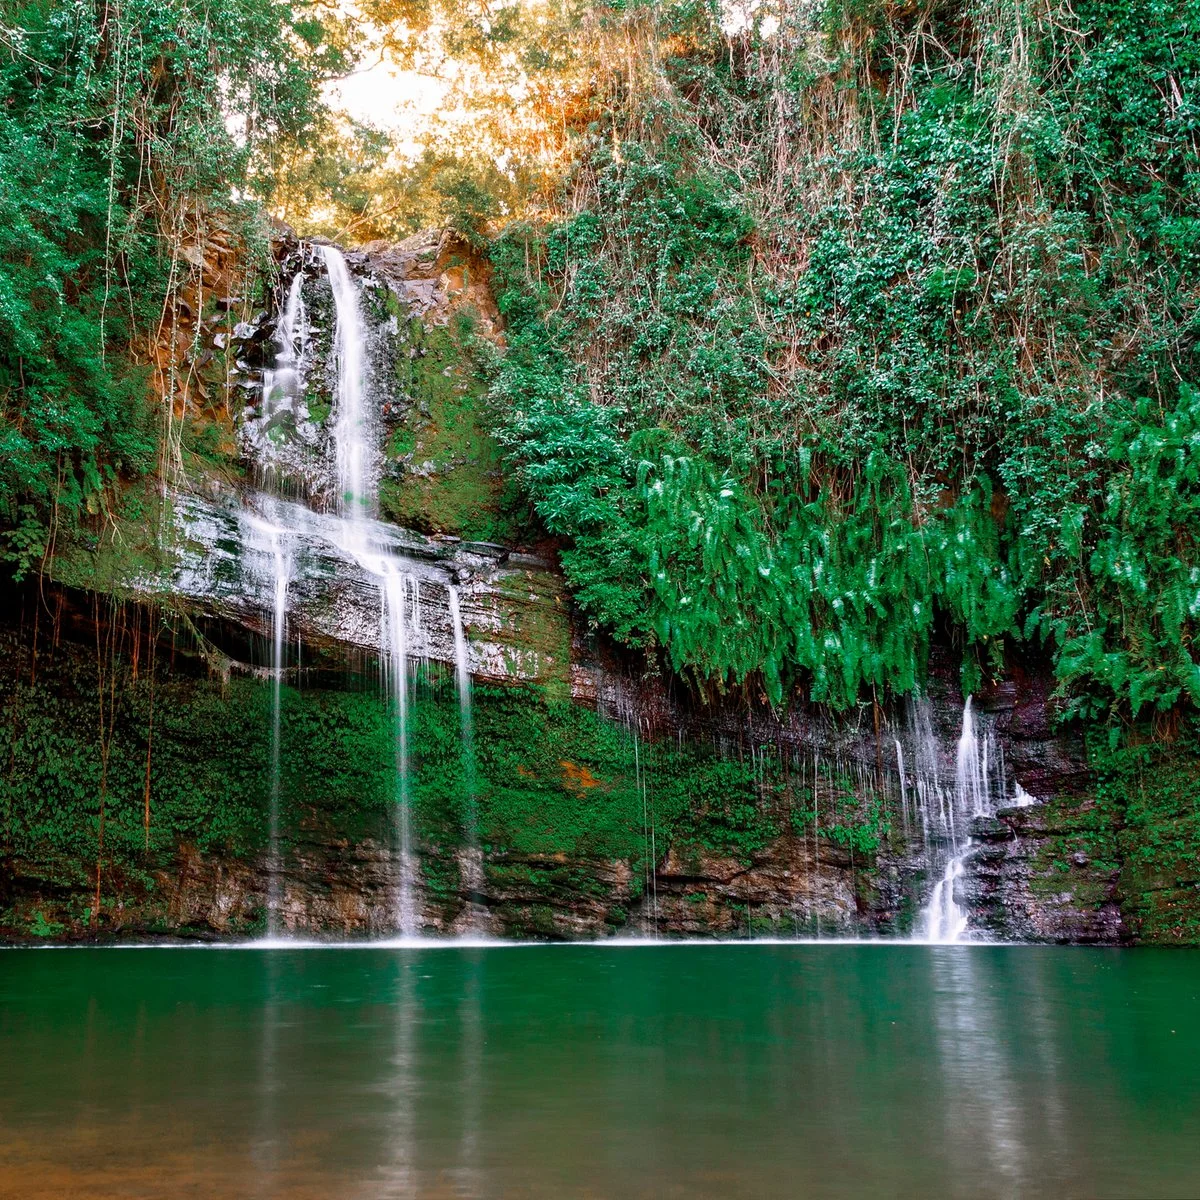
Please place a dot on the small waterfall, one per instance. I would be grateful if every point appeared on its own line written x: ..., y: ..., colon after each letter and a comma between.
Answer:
x: 281, y: 382
x: 932, y: 804
x: 943, y: 920
x: 281, y: 410
x: 972, y: 795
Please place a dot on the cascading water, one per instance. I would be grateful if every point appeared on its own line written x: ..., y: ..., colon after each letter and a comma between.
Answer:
x: 280, y: 408
x: 944, y: 919
x: 351, y: 531
x: 281, y: 382
x: 352, y: 431
x: 354, y: 440
x: 978, y: 782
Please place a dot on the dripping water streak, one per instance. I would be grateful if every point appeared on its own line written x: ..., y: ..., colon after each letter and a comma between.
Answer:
x: 282, y: 571
x: 903, y: 786
x: 268, y: 541
x: 394, y: 590
x: 473, y: 883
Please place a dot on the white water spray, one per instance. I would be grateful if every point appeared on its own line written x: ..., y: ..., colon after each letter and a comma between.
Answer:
x: 1022, y: 799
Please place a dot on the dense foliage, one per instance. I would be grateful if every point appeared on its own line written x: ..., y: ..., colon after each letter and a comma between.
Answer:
x: 873, y: 320
x: 121, y: 123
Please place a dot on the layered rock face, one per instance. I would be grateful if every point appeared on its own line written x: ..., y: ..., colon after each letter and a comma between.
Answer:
x: 513, y: 605
x: 335, y: 889
x: 589, y: 823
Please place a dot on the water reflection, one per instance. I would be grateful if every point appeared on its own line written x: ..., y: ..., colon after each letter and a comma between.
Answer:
x: 705, y: 1071
x: 398, y: 1085
x: 468, y: 1175
x: 264, y: 1148
x: 981, y: 1113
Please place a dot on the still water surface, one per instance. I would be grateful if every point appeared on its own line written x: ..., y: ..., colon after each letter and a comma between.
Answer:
x: 559, y: 1071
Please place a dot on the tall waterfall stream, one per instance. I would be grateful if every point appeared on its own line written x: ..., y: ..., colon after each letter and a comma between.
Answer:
x: 354, y: 531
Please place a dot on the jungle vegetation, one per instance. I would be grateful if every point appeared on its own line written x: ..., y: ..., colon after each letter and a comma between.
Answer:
x: 123, y: 124
x: 870, y: 320
x: 831, y: 325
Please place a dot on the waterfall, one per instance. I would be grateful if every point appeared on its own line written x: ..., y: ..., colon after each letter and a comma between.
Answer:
x: 281, y: 382
x: 350, y: 530
x: 971, y: 768
x: 265, y: 433
x: 937, y: 813
x: 353, y: 431
x: 943, y: 920
x: 932, y: 804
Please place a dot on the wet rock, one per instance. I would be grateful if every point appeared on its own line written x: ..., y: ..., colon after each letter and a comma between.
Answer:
x: 990, y: 829
x: 1038, y: 884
